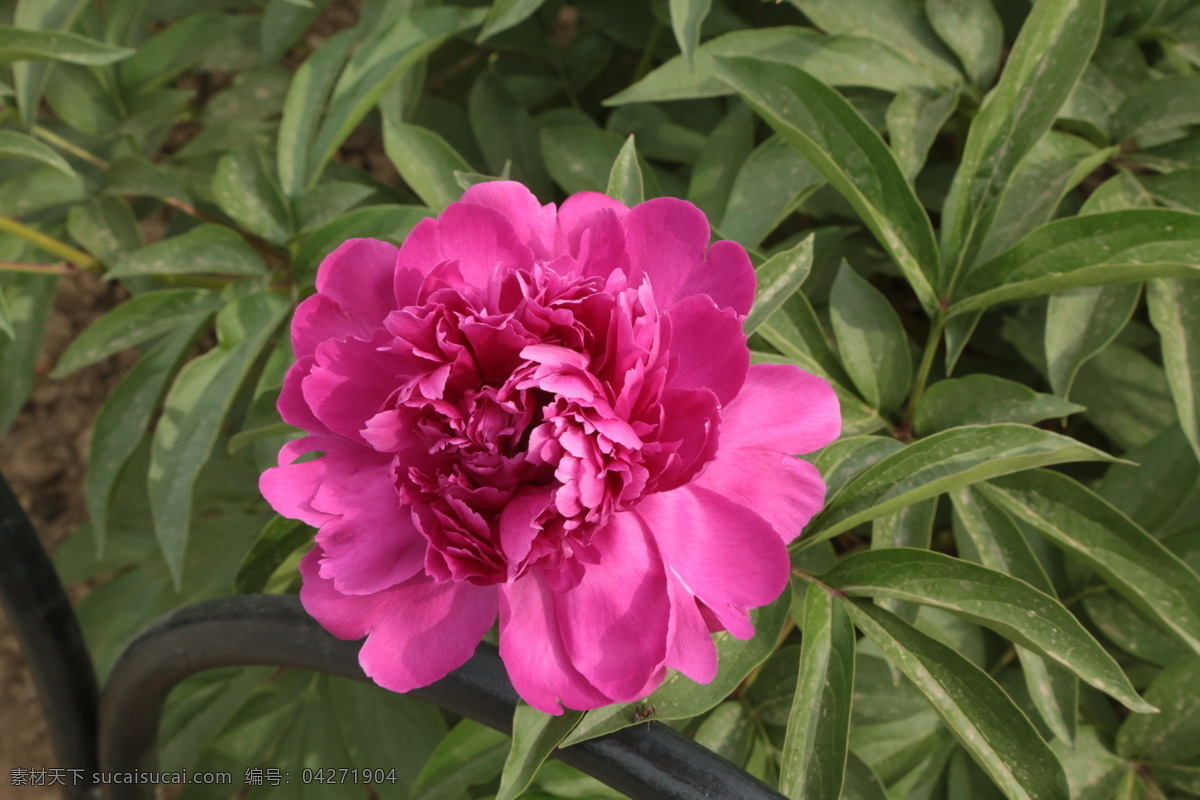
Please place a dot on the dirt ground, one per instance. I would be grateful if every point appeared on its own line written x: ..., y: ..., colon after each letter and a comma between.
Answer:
x: 43, y: 458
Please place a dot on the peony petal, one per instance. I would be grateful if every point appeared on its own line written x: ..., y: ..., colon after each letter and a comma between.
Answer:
x: 690, y: 646
x: 358, y: 277
x: 579, y: 213
x: 292, y: 406
x: 614, y: 623
x: 534, y: 223
x: 726, y: 555
x: 374, y: 544
x: 350, y: 382
x: 784, y: 490
x: 710, y: 346
x: 427, y: 630
x: 482, y: 241
x: 420, y: 253
x: 532, y: 649
x: 667, y: 240
x: 318, y: 318
x: 345, y: 616
x: 290, y: 488
x: 783, y: 409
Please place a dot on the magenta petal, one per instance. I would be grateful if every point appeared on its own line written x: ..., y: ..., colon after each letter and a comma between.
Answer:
x: 345, y: 616
x: 532, y: 649
x: 726, y: 555
x: 482, y: 241
x: 614, y: 623
x: 581, y: 212
x: 350, y: 382
x: 784, y: 409
x: 535, y: 224
x: 319, y: 318
x: 710, y: 346
x: 358, y: 277
x: 668, y: 241
x: 429, y: 629
x: 374, y: 545
x: 784, y: 490
x: 418, y: 256
x: 690, y: 649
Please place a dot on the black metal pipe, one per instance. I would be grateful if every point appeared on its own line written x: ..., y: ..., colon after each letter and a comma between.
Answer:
x: 40, y: 614
x: 646, y: 762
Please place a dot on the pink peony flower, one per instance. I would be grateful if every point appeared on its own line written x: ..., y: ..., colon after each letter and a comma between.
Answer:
x: 547, y: 416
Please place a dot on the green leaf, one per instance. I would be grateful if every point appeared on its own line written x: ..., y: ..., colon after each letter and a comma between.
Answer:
x: 179, y: 47
x: 813, y: 761
x: 29, y: 299
x: 105, y: 227
x: 279, y: 539
x: 914, y: 119
x: 1170, y: 102
x: 388, y: 222
x: 1006, y: 605
x: 827, y: 130
x: 1047, y: 59
x: 126, y: 416
x: 836, y: 60
x: 984, y: 720
x: 1184, y: 778
x: 988, y: 535
x: 580, y: 159
x: 768, y: 186
x: 6, y: 326
x: 248, y: 193
x: 686, y: 18
x: 1125, y: 556
x: 861, y: 783
x: 134, y: 175
x: 939, y: 463
x: 535, y: 735
x: 307, y: 97
x: 21, y: 146
x: 984, y: 400
x: 1172, y: 736
x: 716, y: 168
x: 1175, y: 312
x: 425, y: 161
x: 679, y: 697
x: 847, y: 458
x: 376, y: 64
x: 973, y: 30
x: 137, y: 320
x: 1092, y: 771
x: 194, y: 411
x: 1156, y: 489
x: 779, y: 277
x: 1130, y: 629
x: 1127, y: 396
x: 729, y: 731
x: 20, y: 44
x: 29, y: 77
x: 872, y: 342
x: 505, y: 14
x: 506, y: 133
x: 911, y: 526
x: 470, y: 754
x: 1082, y: 322
x: 625, y: 178
x: 1092, y: 250
x: 204, y: 249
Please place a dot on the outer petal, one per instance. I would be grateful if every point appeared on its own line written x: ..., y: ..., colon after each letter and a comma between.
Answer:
x: 784, y: 490
x: 290, y: 488
x: 691, y: 649
x: 350, y: 382
x: 579, y: 213
x: 358, y: 277
x: 534, y: 223
x: 710, y: 346
x: 783, y: 409
x: 426, y: 630
x: 374, y: 545
x: 614, y: 623
x: 726, y: 555
x: 532, y: 649
x: 345, y: 616
x: 319, y: 318
x: 482, y: 241
x: 667, y: 240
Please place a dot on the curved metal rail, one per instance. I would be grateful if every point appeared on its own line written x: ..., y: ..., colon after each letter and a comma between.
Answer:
x: 40, y: 613
x: 646, y: 762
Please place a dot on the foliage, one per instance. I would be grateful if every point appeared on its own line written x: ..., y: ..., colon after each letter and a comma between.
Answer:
x: 955, y: 205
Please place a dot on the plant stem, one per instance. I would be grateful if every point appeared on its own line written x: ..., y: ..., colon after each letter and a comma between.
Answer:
x: 49, y: 244
x: 931, y: 348
x: 63, y: 144
x: 804, y: 576
x: 60, y: 268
